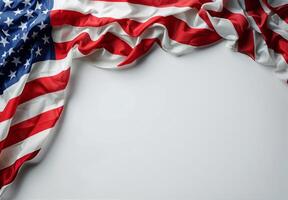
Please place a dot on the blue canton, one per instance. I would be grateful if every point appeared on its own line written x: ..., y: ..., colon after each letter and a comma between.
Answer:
x: 25, y: 38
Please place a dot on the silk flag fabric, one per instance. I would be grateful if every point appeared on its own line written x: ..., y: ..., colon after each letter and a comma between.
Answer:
x: 40, y: 38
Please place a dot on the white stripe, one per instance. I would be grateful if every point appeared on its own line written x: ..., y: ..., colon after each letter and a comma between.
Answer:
x: 39, y: 105
x: 265, y: 8
x: 277, y: 3
x: 117, y: 10
x: 68, y: 33
x: 216, y: 5
x: 4, y: 129
x: 48, y: 68
x: 279, y: 26
x: 11, y: 154
x: 38, y: 70
x: 12, y: 91
x: 31, y: 109
x: 224, y: 27
x: 276, y: 23
x: 3, y: 191
x: 234, y: 6
x: 262, y: 52
x: 100, y: 58
x: 266, y: 56
x: 192, y: 18
x: 269, y: 57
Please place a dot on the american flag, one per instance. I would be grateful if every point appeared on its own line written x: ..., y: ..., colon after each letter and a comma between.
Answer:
x: 40, y: 38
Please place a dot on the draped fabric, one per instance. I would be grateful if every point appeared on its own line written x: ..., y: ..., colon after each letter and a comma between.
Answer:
x: 40, y: 38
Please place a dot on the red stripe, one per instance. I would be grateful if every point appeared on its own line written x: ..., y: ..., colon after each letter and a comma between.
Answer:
x: 282, y: 10
x: 113, y: 44
x: 178, y: 30
x: 246, y: 44
x: 204, y: 15
x: 85, y: 45
x: 241, y: 25
x: 141, y: 49
x: 239, y: 21
x: 272, y: 39
x: 34, y: 89
x: 7, y: 175
x: 73, y: 18
x: 182, y: 33
x: 108, y: 41
x: 164, y: 3
x: 32, y: 126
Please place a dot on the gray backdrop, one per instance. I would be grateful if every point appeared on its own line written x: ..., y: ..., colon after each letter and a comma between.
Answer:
x: 211, y: 125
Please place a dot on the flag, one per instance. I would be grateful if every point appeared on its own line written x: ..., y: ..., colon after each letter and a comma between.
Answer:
x: 40, y: 38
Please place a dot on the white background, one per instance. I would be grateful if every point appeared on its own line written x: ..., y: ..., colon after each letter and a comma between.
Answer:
x: 211, y: 125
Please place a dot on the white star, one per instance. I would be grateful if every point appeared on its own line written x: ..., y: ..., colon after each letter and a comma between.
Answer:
x: 2, y: 64
x: 45, y: 11
x: 26, y: 2
x: 29, y: 14
x: 4, y: 54
x: 24, y: 37
x: 38, y: 52
x: 27, y: 64
x: 6, y: 33
x: 10, y: 51
x: 18, y: 11
x: 34, y: 34
x: 23, y: 26
x: 16, y: 61
x: 38, y: 6
x: 42, y: 25
x: 8, y: 21
x: 7, y: 3
x: 46, y: 39
x: 3, y: 41
x: 15, y: 37
x: 12, y: 74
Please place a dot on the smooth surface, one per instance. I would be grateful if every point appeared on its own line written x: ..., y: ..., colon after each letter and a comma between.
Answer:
x: 211, y: 125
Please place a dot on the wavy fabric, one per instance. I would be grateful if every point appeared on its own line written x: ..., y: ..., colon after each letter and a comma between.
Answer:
x: 256, y: 28
x: 39, y: 40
